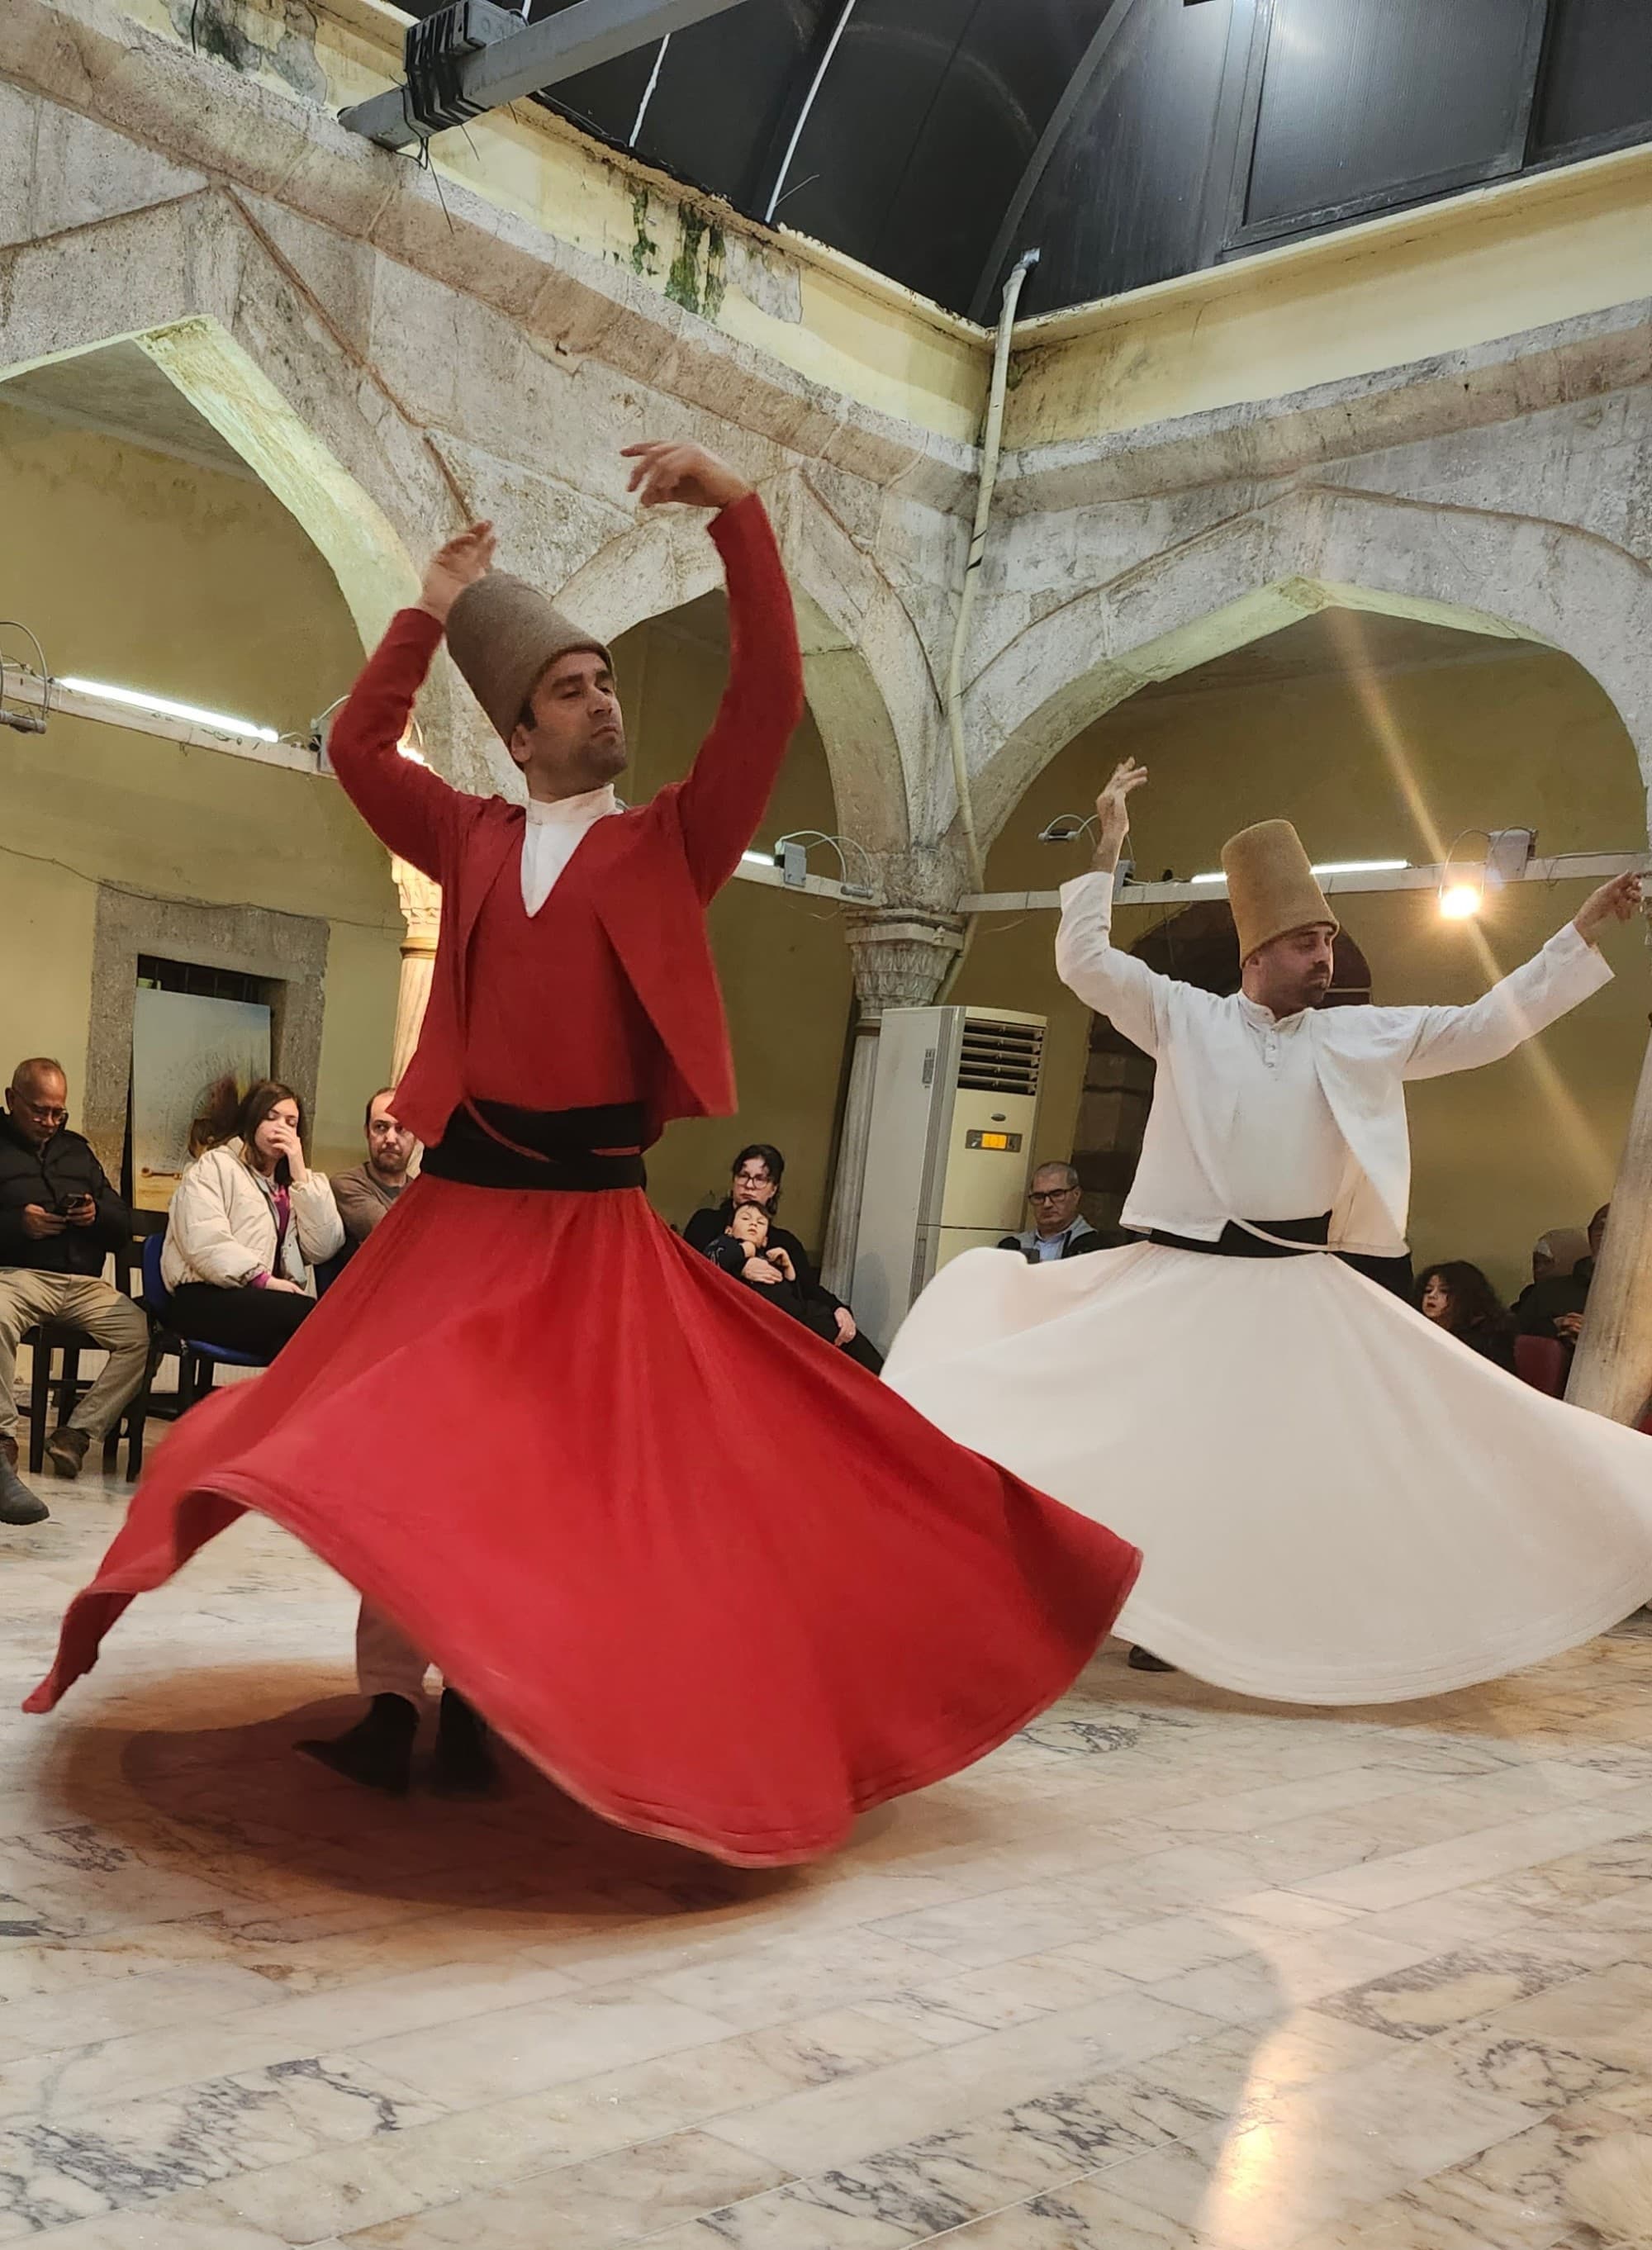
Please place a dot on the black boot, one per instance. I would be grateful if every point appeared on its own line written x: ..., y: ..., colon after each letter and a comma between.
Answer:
x: 17, y: 1503
x: 377, y: 1751
x: 1143, y: 1659
x: 465, y: 1766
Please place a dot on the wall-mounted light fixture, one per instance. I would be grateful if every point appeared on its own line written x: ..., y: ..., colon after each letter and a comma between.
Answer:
x: 1465, y: 880
x: 133, y: 699
x: 24, y: 712
x: 1327, y: 868
x: 791, y: 855
x: 1067, y: 827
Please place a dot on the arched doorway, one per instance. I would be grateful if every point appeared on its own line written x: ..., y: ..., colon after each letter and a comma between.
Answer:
x: 1380, y: 737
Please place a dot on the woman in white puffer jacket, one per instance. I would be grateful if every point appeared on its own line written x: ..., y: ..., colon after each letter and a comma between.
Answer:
x: 249, y: 1224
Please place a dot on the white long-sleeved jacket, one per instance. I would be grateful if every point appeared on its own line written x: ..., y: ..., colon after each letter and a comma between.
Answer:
x: 1206, y: 1053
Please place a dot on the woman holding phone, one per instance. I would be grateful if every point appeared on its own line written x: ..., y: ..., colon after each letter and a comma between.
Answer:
x: 249, y: 1224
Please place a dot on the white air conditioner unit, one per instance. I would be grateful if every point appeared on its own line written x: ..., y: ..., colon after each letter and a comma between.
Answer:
x: 954, y: 1102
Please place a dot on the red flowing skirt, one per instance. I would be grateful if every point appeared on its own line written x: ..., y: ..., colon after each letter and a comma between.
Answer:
x: 713, y: 1578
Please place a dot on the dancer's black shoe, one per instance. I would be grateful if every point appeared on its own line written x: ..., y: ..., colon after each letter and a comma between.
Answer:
x: 377, y: 1753
x: 1143, y: 1659
x: 465, y: 1765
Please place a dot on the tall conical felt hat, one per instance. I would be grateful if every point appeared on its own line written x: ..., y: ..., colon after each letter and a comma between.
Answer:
x: 502, y: 634
x: 1271, y: 887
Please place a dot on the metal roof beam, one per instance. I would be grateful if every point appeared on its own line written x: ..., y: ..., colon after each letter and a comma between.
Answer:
x: 538, y: 55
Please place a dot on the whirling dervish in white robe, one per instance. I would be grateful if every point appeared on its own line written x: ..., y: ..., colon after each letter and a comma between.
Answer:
x: 1338, y: 1502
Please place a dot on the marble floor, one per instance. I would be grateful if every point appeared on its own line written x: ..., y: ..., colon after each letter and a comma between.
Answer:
x: 1170, y: 1972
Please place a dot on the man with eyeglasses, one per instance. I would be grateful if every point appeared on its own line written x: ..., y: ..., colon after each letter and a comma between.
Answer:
x: 60, y: 1219
x: 1059, y: 1229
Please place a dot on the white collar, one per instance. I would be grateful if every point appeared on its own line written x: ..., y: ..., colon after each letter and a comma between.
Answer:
x: 572, y: 811
x: 1263, y: 1019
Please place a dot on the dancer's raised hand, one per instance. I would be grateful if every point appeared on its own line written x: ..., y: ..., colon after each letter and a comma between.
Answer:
x: 685, y: 473
x: 1112, y: 814
x: 1614, y: 902
x: 455, y: 566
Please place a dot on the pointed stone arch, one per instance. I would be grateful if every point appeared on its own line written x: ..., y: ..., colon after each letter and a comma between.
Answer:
x: 846, y: 616
x: 1323, y: 547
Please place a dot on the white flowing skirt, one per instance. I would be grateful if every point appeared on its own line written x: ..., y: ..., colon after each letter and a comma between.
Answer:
x: 1338, y: 1502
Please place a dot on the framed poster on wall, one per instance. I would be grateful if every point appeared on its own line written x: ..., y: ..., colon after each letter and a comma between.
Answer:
x: 193, y: 1059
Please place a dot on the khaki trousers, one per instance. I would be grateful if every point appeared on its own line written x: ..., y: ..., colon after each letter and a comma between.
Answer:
x: 104, y: 1317
x: 386, y: 1661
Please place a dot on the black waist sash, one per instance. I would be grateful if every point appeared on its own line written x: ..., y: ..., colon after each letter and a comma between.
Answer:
x: 489, y: 1144
x: 1236, y: 1241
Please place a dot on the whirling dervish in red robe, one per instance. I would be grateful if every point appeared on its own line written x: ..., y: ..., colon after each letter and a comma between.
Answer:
x: 488, y: 1426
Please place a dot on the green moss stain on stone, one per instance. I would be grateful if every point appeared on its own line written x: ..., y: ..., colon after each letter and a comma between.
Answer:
x: 683, y: 283
x: 717, y: 274
x: 644, y: 251
x: 698, y: 284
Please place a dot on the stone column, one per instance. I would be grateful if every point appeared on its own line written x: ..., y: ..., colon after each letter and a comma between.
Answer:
x: 901, y: 956
x: 422, y: 913
x: 1612, y: 1373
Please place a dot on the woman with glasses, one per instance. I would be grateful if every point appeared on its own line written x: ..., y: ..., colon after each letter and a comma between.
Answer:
x: 758, y: 1171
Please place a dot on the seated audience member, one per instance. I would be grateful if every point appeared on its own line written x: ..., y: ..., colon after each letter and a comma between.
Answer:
x: 365, y: 1192
x: 1557, y: 1252
x: 745, y: 1250
x: 1554, y: 1306
x: 59, y: 1218
x: 249, y: 1224
x: 1058, y: 1230
x: 1457, y: 1297
x: 758, y: 1171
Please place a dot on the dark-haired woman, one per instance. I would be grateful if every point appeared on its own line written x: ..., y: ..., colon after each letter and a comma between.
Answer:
x: 1457, y: 1297
x: 249, y: 1224
x: 758, y: 1172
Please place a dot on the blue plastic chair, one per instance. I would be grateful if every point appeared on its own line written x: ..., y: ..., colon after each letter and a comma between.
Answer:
x: 197, y: 1360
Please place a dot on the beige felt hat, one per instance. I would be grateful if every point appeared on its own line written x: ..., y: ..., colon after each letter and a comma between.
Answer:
x: 502, y: 634
x: 1271, y: 887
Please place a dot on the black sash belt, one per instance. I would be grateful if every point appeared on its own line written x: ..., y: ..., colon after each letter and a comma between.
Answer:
x: 1235, y: 1241
x: 488, y: 1145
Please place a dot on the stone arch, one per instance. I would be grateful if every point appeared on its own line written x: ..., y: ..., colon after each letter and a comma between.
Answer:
x: 1315, y: 548
x: 284, y: 389
x: 664, y: 561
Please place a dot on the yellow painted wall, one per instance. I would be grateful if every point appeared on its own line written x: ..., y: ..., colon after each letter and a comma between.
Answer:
x: 150, y: 573
x: 781, y: 957
x: 1528, y: 740
x: 1487, y: 263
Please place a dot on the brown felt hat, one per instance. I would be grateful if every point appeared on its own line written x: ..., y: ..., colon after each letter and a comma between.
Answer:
x: 503, y: 635
x: 1271, y: 887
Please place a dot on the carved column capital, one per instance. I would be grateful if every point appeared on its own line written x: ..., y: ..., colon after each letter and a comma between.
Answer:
x: 421, y: 903
x: 901, y: 956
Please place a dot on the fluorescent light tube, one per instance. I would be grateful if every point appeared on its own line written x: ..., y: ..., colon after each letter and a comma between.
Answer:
x: 218, y: 720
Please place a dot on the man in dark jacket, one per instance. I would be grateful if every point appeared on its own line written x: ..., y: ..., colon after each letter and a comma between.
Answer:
x: 1554, y: 1306
x: 1058, y: 1230
x: 60, y: 1219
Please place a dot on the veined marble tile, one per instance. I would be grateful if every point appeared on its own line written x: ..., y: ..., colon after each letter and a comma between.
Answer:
x: 614, y: 2199
x: 1451, y: 1988
x: 521, y: 2050
x: 1315, y: 2156
x: 784, y: 2220
x: 1277, y: 1976
x: 832, y: 2125
x: 242, y: 2005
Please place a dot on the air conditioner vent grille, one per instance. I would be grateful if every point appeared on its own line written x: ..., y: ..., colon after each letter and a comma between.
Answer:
x: 1000, y: 1058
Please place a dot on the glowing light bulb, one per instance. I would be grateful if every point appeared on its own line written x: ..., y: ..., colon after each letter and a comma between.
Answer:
x: 1461, y: 902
